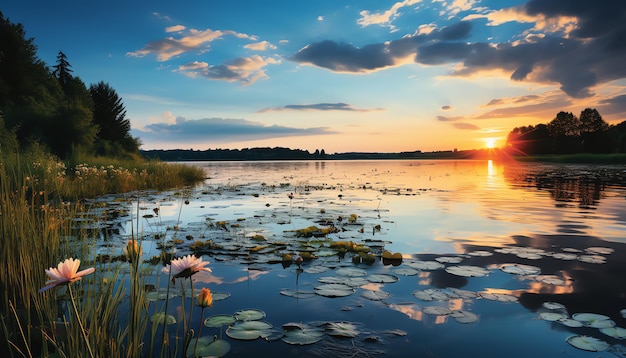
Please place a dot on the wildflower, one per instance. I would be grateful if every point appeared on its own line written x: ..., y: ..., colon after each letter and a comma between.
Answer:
x: 205, y: 298
x: 65, y: 273
x: 186, y: 266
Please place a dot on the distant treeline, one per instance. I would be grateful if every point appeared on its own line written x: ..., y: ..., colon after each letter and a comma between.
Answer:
x: 280, y: 153
x: 569, y: 134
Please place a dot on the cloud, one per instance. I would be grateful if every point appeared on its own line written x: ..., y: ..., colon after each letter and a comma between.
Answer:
x: 219, y: 130
x: 581, y: 45
x: 243, y: 70
x: 192, y: 40
x: 386, y: 17
x: 535, y: 106
x: 447, y: 107
x: 513, y: 100
x: 614, y: 105
x: 175, y: 28
x: 260, y: 46
x: 448, y: 119
x: 466, y: 126
x: 319, y: 107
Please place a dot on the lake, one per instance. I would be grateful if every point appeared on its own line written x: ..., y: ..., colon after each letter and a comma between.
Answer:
x: 483, y: 258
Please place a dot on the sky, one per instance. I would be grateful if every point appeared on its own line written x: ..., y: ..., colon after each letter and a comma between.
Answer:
x: 343, y: 76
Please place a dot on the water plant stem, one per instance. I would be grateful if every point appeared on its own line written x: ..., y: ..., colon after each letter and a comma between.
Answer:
x: 80, y: 321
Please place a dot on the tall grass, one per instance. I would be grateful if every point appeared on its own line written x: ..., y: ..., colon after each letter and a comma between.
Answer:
x: 39, y: 197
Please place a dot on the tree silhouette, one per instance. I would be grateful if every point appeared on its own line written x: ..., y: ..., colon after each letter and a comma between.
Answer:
x: 109, y: 115
x: 62, y: 71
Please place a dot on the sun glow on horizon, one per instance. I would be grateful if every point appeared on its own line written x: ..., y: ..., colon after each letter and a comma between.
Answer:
x: 490, y: 142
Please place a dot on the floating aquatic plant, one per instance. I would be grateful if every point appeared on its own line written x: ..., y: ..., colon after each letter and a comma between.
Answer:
x: 588, y: 343
x: 467, y: 271
x: 334, y: 290
x: 249, y: 315
x: 208, y: 347
x: 219, y: 320
x: 302, y: 334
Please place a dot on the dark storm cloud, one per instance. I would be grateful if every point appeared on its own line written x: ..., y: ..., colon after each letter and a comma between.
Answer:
x: 319, y: 107
x: 219, y: 129
x: 592, y: 54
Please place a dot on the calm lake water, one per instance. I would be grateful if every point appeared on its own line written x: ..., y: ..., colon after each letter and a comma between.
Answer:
x: 498, y: 259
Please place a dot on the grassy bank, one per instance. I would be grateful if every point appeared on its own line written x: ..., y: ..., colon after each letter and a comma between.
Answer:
x: 39, y: 197
x: 579, y: 158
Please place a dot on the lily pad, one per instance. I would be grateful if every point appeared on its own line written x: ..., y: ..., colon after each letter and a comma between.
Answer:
x: 431, y: 295
x: 297, y: 293
x: 249, y: 315
x: 449, y: 259
x: 570, y: 322
x: 160, y: 317
x: 208, y: 347
x: 615, y: 332
x: 467, y: 271
x: 250, y: 330
x: 406, y: 271
x: 500, y: 297
x: 382, y: 278
x: 594, y: 320
x: 375, y: 295
x: 219, y: 320
x: 464, y: 316
x: 302, y: 334
x: 553, y: 306
x: 587, y: 343
x: 425, y: 265
x: 520, y: 269
x: 351, y: 272
x: 552, y: 316
x: 334, y: 290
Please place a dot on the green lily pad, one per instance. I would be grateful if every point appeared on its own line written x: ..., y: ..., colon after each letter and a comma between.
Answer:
x: 406, y: 271
x: 570, y: 322
x: 431, y: 294
x: 382, y: 278
x: 334, y: 290
x: 449, y: 259
x: 160, y: 294
x: 297, y: 293
x: 375, y: 295
x: 467, y: 271
x: 351, y: 272
x: 459, y: 293
x: 594, y: 320
x: 302, y: 334
x: 249, y: 315
x: 218, y: 296
x: 250, y: 330
x: 160, y: 317
x: 425, y: 265
x: 553, y: 306
x: 520, y: 269
x: 552, y: 316
x: 219, y: 320
x: 464, y: 316
x: 615, y: 332
x: 500, y: 297
x: 587, y: 343
x: 208, y: 347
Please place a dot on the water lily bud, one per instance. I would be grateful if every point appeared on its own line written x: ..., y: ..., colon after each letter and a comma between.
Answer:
x: 205, y: 298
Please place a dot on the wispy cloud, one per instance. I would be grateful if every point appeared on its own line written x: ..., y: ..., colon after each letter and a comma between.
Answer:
x: 243, y: 70
x: 260, y: 46
x: 466, y: 126
x: 318, y: 107
x: 219, y: 130
x: 384, y: 18
x: 191, y: 40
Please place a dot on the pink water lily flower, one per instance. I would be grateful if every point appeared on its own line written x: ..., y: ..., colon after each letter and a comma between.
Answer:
x: 66, y: 272
x: 186, y: 266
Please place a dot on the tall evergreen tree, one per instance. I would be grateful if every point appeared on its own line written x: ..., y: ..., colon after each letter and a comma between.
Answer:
x: 110, y: 116
x: 62, y: 71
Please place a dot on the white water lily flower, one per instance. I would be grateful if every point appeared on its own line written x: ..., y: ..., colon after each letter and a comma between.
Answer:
x: 65, y: 273
x: 186, y: 266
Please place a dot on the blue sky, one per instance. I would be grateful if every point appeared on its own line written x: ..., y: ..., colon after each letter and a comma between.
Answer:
x: 341, y: 76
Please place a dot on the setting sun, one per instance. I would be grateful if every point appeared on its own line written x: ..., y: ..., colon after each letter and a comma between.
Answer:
x: 490, y: 143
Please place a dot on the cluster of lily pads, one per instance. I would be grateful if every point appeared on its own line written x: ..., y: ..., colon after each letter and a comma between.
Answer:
x: 335, y: 241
